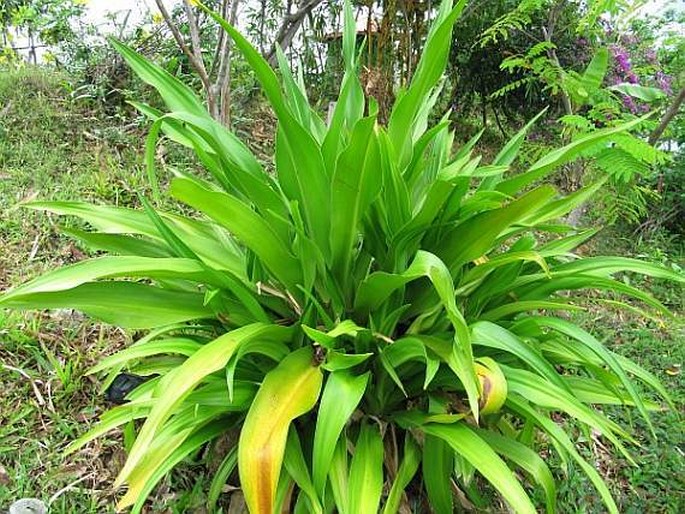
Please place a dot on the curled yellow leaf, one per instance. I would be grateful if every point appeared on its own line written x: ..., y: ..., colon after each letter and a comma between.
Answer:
x: 493, y: 385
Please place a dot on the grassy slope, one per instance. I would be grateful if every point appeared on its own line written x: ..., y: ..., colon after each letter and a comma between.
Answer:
x: 50, y: 149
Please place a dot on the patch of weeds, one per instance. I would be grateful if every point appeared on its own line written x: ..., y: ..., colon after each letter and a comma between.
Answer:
x: 52, y: 148
x: 43, y: 406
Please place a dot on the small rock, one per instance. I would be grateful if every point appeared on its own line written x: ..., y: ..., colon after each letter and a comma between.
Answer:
x: 28, y: 506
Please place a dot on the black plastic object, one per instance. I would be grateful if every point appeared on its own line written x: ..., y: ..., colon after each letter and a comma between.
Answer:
x: 123, y: 384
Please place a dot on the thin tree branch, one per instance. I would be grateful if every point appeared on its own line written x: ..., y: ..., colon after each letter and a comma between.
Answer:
x: 223, y: 78
x: 196, y: 44
x: 221, y: 43
x: 178, y: 37
x: 226, y: 44
x: 670, y: 113
x: 552, y: 55
x: 291, y: 24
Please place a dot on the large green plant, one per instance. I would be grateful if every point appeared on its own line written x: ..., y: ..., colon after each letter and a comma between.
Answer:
x: 379, y: 305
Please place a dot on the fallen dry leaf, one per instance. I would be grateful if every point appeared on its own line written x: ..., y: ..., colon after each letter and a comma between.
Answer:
x: 4, y: 476
x: 673, y: 370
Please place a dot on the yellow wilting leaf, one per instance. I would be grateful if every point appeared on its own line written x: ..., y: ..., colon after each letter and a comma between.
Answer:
x: 177, y: 385
x: 288, y: 391
x: 493, y: 385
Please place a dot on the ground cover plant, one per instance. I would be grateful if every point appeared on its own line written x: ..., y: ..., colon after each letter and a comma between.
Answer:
x: 381, y: 304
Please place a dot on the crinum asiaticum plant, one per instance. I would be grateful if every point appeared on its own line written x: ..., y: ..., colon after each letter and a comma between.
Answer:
x: 375, y: 320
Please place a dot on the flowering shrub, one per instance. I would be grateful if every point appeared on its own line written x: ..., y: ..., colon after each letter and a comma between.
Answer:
x: 636, y: 63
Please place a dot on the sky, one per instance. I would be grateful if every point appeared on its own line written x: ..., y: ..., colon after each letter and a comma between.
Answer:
x: 98, y: 9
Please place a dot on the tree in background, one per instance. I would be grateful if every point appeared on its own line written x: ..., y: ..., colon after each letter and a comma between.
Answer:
x: 215, y: 73
x: 43, y: 22
x: 215, y: 77
x: 509, y: 60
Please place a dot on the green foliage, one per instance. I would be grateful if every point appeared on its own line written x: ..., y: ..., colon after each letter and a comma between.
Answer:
x: 50, y: 20
x: 512, y: 21
x: 379, y: 292
x: 535, y: 63
x: 589, y: 106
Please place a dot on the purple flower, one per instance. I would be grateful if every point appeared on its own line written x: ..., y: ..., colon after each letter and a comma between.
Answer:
x: 650, y: 56
x: 622, y: 58
x: 632, y: 78
x: 664, y: 82
x: 629, y: 104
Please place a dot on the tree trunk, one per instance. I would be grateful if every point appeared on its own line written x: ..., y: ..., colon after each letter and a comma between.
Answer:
x: 575, y: 170
x: 216, y: 81
x: 223, y: 79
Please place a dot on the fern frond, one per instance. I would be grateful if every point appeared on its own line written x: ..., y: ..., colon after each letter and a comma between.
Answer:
x: 640, y: 149
x: 509, y: 22
x: 505, y: 90
x: 621, y: 165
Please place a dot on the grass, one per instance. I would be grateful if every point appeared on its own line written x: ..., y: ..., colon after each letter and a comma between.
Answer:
x: 53, y: 149
x: 657, y: 484
x: 46, y: 151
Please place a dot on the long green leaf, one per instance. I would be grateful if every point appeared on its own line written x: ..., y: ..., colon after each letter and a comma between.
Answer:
x: 341, y: 395
x: 429, y: 70
x: 247, y: 226
x: 296, y: 466
x: 525, y: 458
x: 175, y: 93
x: 556, y: 158
x: 125, y: 304
x: 594, y: 74
x: 571, y: 330
x: 473, y: 238
x: 539, y: 392
x: 408, y: 468
x: 176, y: 386
x: 491, y: 335
x: 558, y: 435
x: 481, y: 456
x: 212, y: 244
x: 437, y: 467
x: 69, y: 277
x: 299, y: 162
x: 366, y: 471
x: 356, y: 184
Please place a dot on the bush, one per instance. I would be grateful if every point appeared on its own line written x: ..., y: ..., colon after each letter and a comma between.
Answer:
x: 669, y: 212
x: 378, y: 305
